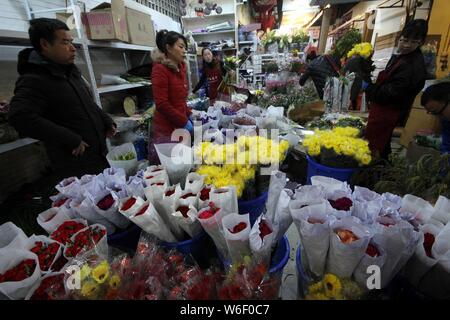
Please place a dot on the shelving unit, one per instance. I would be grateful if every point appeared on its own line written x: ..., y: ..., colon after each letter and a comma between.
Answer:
x: 118, y: 87
x: 18, y: 38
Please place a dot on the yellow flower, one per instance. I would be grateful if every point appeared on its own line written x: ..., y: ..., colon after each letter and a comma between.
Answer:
x: 90, y: 289
x: 316, y: 296
x: 314, y: 288
x: 85, y: 272
x: 101, y: 272
x: 114, y: 282
x: 332, y: 285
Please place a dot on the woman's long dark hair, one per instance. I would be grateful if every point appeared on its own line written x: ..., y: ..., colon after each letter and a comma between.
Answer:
x: 164, y: 38
x: 214, y: 62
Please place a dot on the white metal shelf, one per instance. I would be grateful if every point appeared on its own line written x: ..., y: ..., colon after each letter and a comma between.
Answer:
x: 246, y: 42
x: 113, y: 45
x: 213, y: 33
x: 5, y: 147
x: 222, y: 15
x: 119, y: 87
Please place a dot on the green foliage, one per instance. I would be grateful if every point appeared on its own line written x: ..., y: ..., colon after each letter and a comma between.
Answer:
x: 126, y: 156
x: 345, y: 43
x: 427, y: 178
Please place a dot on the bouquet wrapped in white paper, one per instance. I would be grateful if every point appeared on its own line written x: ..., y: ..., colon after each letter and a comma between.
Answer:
x: 348, y: 244
x: 236, y: 228
x: 150, y: 221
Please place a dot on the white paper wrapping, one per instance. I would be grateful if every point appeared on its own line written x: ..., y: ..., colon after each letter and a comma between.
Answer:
x: 238, y: 243
x: 12, y: 237
x: 344, y: 258
x: 225, y: 199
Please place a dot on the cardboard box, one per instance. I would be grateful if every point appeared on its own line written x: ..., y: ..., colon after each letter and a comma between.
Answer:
x: 69, y: 20
x: 140, y: 28
x: 107, y: 22
x: 419, y: 120
x: 415, y: 152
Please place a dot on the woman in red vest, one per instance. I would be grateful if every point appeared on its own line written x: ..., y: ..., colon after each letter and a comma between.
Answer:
x: 170, y: 89
x: 212, y: 74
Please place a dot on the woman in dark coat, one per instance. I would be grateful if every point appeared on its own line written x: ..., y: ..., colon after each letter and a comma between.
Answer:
x: 397, y: 86
x: 212, y: 74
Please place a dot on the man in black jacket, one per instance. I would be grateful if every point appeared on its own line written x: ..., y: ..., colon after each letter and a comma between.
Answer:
x: 53, y: 103
x: 392, y: 96
x: 320, y: 69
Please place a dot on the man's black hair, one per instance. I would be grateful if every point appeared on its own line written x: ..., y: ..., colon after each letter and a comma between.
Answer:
x: 44, y: 28
x: 415, y: 29
x: 437, y: 92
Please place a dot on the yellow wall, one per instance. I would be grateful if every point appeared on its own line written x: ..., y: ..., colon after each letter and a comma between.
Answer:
x: 439, y: 23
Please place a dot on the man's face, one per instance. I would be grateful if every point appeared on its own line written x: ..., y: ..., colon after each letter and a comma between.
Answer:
x: 61, y: 51
x: 408, y: 45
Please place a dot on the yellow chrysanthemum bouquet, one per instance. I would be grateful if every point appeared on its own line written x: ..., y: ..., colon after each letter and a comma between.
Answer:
x: 238, y: 163
x: 364, y: 50
x: 339, y: 148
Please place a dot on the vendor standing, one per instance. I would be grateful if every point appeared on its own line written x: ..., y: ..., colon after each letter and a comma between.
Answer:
x: 397, y: 86
x: 170, y: 90
x: 53, y: 103
x: 436, y: 100
x: 212, y: 74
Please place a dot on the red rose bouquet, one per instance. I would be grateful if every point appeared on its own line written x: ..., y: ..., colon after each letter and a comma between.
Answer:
x: 51, y: 287
x: 48, y: 251
x: 236, y: 229
x: 85, y: 240
x: 66, y: 230
x: 19, y: 271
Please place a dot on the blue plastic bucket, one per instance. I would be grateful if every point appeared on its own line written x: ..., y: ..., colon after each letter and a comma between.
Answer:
x: 254, y: 207
x: 201, y: 247
x: 127, y: 238
x: 316, y: 169
x: 279, y: 259
x: 302, y: 279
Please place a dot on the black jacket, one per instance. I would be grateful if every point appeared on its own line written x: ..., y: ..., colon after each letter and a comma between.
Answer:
x: 319, y: 70
x: 403, y: 85
x: 53, y: 103
x: 362, y: 69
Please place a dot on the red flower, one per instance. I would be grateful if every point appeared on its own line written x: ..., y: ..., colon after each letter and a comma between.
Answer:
x: 106, y: 202
x: 204, y: 194
x: 170, y: 192
x: 46, y: 253
x: 60, y: 202
x: 51, y: 288
x: 66, y: 230
x: 157, y: 184
x: 346, y: 236
x: 184, y: 210
x: 188, y: 195
x: 84, y: 241
x: 206, y: 214
x: 372, y: 250
x: 149, y: 177
x: 128, y: 204
x: 143, y: 210
x: 156, y: 170
x: 238, y: 228
x: 59, y: 264
x: 428, y: 241
x: 343, y: 204
x: 20, y: 272
x: 264, y: 229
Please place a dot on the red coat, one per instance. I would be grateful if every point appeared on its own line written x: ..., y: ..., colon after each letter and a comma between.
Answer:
x: 170, y: 91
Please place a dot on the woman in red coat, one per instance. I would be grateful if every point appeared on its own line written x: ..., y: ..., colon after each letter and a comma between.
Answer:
x: 170, y: 90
